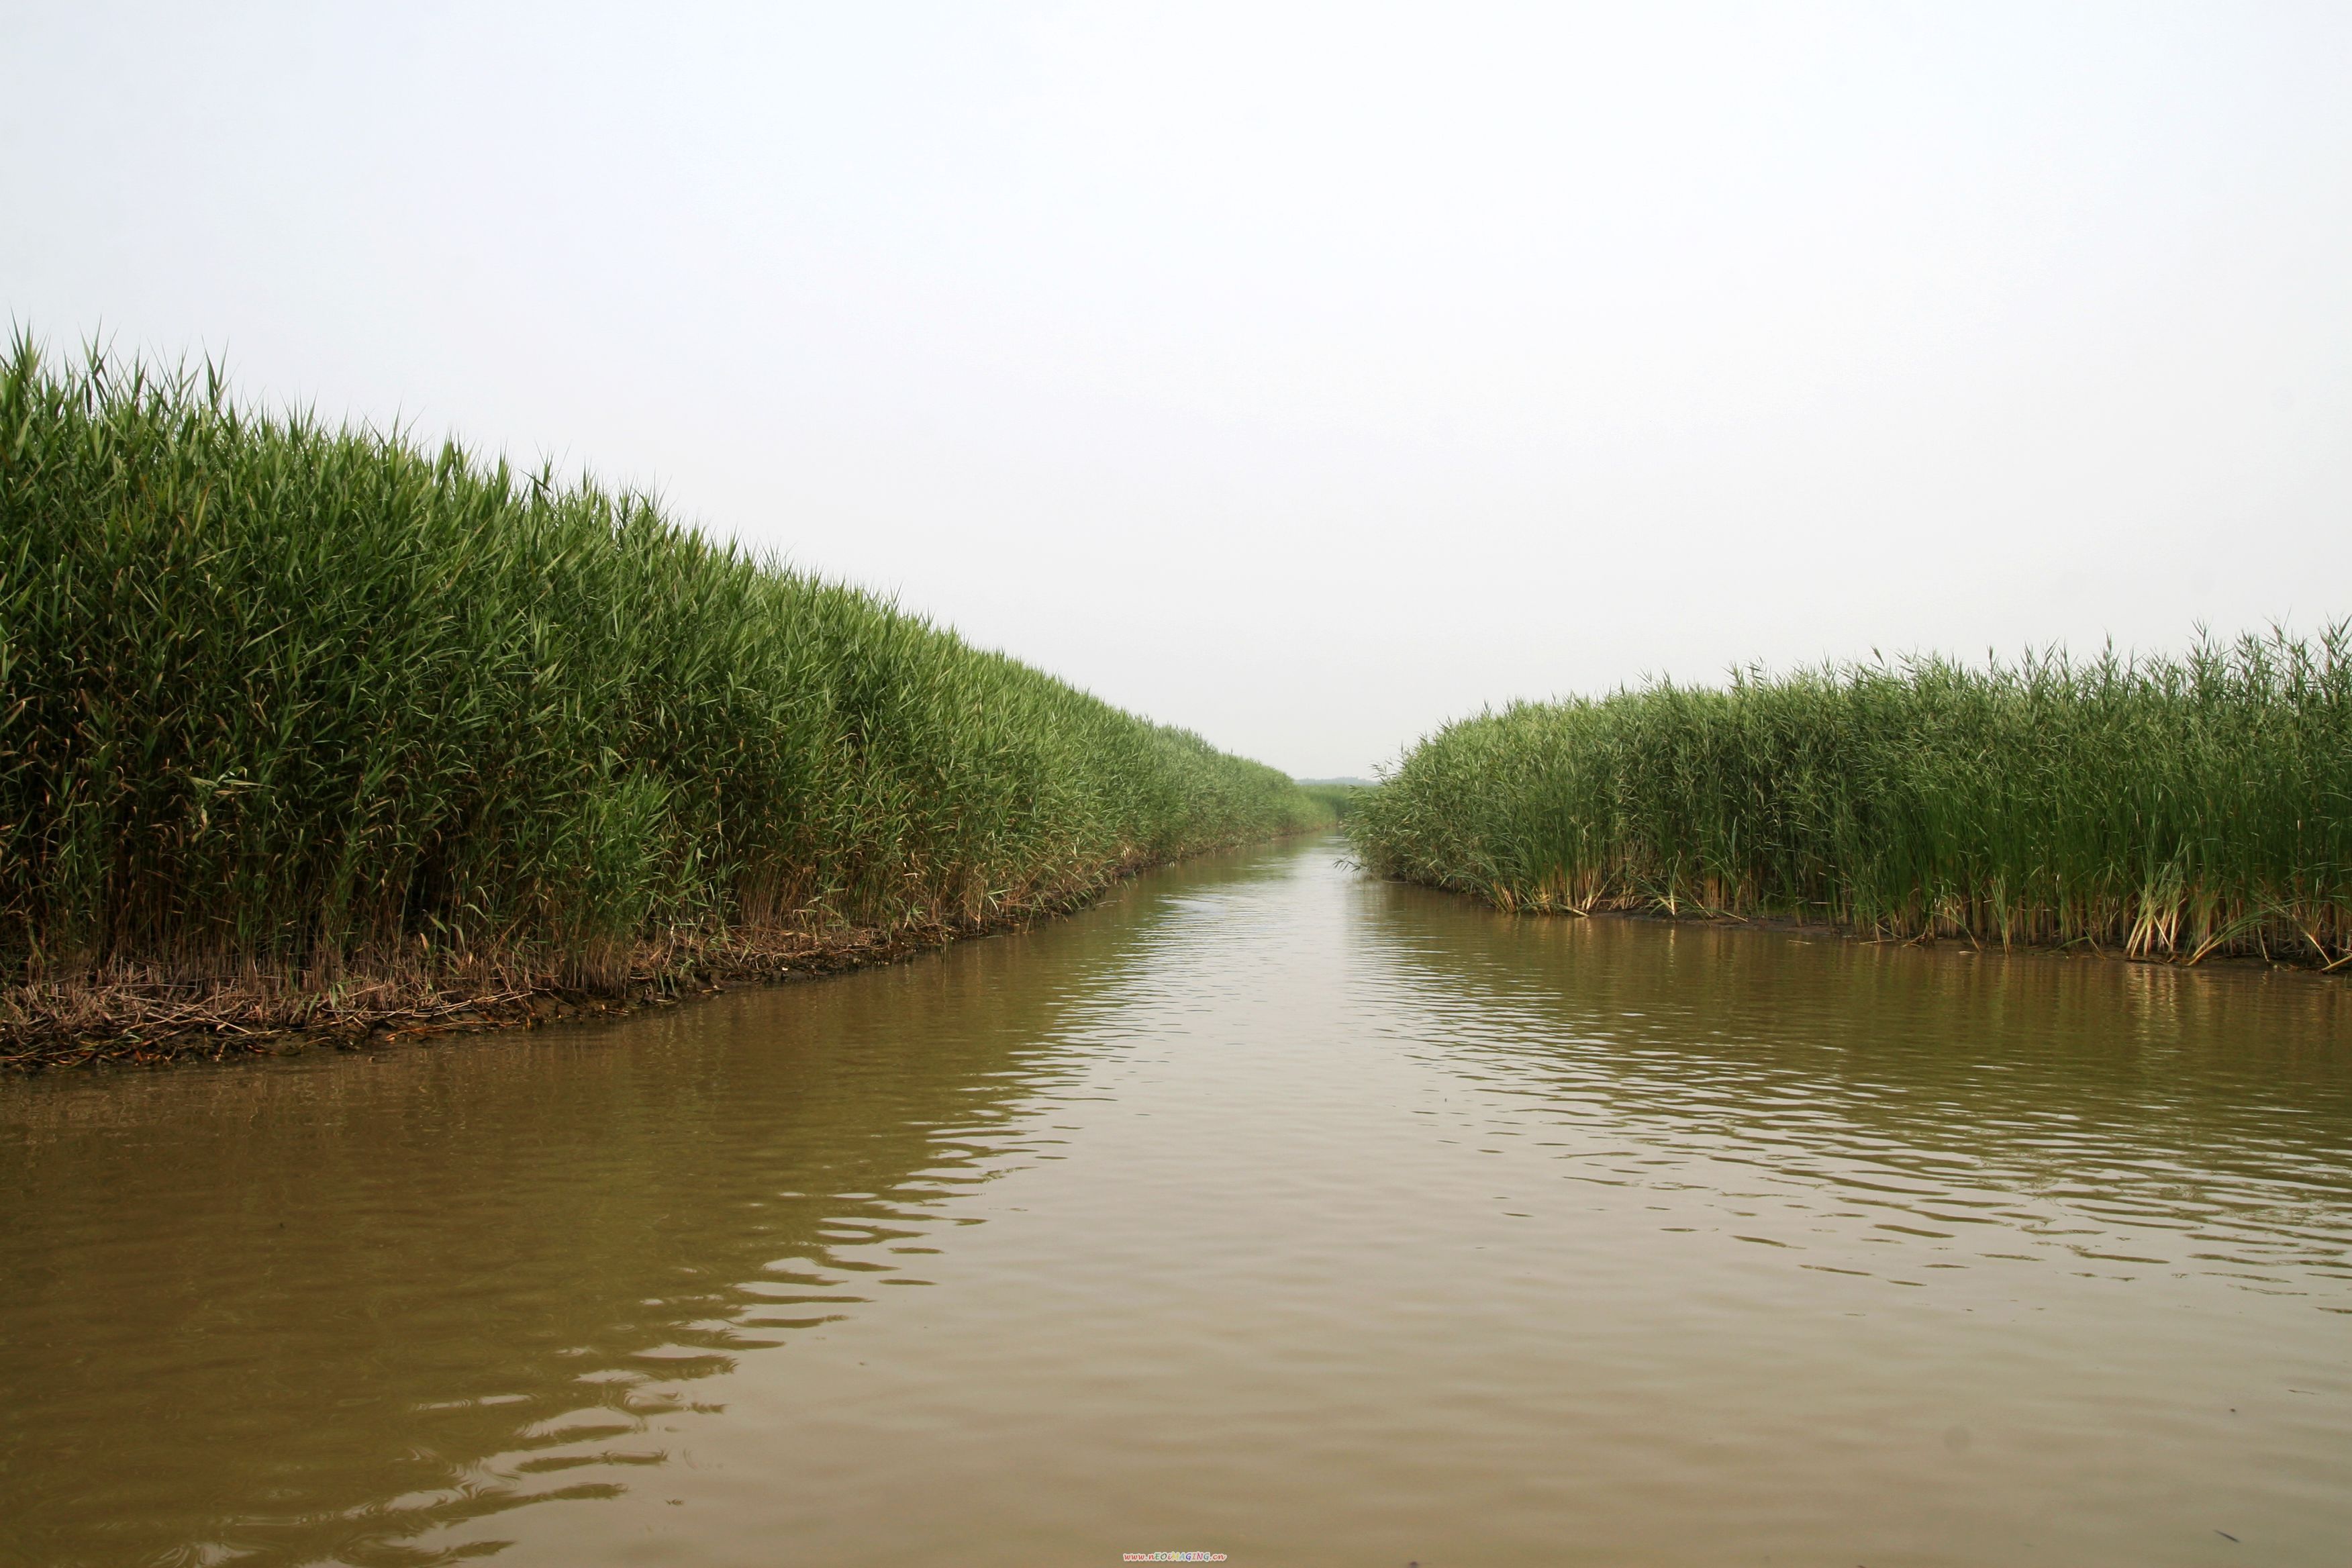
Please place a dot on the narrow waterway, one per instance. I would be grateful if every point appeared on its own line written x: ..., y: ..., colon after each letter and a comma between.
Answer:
x: 1264, y: 1210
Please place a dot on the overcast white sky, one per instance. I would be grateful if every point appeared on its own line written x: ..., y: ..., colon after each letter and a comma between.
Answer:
x: 1307, y: 377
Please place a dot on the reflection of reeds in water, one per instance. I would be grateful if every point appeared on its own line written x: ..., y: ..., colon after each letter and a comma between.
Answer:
x: 2211, y: 1103
x: 330, y: 708
x: 323, y: 1309
x: 2160, y: 807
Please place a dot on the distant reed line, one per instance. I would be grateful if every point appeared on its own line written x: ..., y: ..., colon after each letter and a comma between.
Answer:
x: 280, y: 695
x: 2167, y: 807
x: 1340, y: 798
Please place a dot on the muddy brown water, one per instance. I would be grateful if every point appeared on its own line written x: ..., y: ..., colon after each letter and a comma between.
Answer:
x: 1264, y: 1210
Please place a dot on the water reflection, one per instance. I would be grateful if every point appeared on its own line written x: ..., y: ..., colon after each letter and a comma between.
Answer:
x: 307, y: 1311
x: 1266, y: 1211
x: 1947, y: 1107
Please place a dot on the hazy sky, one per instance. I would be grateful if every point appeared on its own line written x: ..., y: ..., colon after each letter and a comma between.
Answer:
x: 1305, y: 376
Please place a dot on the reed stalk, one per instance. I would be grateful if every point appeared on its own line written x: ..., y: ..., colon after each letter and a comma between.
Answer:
x: 288, y: 698
x: 2159, y: 808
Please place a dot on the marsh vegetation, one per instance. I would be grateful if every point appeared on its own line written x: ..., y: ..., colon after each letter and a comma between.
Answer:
x: 317, y: 715
x: 2168, y: 807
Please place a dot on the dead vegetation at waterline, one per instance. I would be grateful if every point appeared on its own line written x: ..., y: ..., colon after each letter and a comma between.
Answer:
x: 278, y: 698
x: 2158, y: 808
x: 136, y: 1014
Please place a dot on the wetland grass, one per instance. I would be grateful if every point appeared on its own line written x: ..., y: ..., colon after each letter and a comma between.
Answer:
x: 2169, y: 808
x: 1340, y: 795
x: 303, y: 714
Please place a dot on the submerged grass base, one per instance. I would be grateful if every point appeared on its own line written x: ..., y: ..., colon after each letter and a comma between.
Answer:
x: 1936, y: 934
x: 2268, y: 936
x: 147, y: 1015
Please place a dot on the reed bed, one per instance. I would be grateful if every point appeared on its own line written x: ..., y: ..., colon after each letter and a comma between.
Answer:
x: 320, y: 705
x: 2159, y: 808
x: 1340, y: 796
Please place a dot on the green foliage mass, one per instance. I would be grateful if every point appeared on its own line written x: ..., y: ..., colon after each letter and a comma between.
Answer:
x: 1340, y: 796
x: 281, y: 693
x: 2164, y: 807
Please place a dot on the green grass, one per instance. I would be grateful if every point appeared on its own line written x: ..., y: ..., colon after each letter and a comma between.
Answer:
x: 2168, y: 807
x: 281, y: 695
x: 1341, y: 796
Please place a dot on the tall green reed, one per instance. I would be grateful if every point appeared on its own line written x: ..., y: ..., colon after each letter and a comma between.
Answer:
x: 278, y: 694
x: 2171, y: 808
x: 1342, y: 798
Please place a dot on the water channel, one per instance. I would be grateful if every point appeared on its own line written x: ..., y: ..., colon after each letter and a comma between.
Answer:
x: 1263, y: 1210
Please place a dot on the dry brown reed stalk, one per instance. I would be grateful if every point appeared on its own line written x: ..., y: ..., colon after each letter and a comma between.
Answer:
x: 142, y: 1013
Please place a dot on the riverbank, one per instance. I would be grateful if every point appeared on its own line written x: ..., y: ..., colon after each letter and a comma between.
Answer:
x: 303, y: 724
x: 136, y: 1020
x: 130, y: 1019
x: 2171, y: 809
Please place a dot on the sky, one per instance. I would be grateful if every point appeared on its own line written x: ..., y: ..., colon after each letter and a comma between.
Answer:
x: 1304, y: 375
